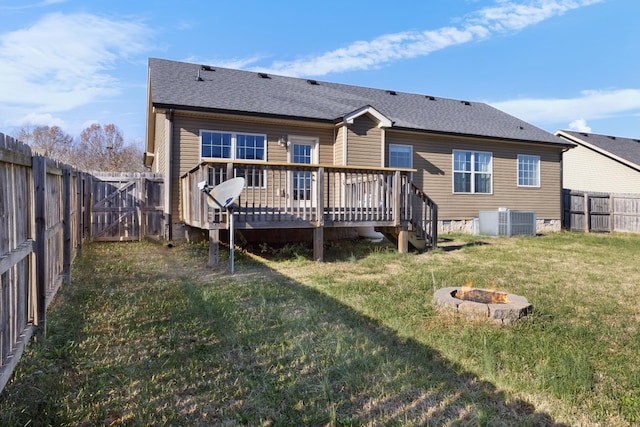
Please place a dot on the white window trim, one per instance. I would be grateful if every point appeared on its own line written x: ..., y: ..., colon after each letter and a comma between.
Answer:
x: 233, y: 151
x: 473, y: 172
x: 313, y: 140
x: 233, y: 145
x: 410, y: 147
x: 518, y: 171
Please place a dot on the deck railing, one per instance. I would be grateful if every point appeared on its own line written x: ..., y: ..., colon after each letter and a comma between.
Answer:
x: 304, y: 196
x: 423, y: 216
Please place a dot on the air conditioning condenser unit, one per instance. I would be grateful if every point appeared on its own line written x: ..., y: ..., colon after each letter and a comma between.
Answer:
x: 506, y: 222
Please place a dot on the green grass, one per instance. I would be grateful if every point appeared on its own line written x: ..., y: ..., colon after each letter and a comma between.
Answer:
x: 147, y: 335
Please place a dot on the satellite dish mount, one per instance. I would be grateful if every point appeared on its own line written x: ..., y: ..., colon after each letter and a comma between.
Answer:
x: 223, y: 196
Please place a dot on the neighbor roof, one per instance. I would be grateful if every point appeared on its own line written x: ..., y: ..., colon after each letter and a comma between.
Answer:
x: 193, y: 86
x: 626, y: 149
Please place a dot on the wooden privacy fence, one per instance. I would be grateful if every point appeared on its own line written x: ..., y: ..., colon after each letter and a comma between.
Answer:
x: 125, y: 206
x: 45, y: 214
x: 601, y: 212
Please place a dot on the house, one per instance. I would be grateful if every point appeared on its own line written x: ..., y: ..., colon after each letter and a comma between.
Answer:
x: 322, y: 156
x: 601, y: 163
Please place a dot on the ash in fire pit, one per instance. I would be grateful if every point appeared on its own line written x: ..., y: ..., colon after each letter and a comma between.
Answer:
x: 500, y: 307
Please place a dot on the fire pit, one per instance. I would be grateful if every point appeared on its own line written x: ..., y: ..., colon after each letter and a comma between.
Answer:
x: 499, y: 307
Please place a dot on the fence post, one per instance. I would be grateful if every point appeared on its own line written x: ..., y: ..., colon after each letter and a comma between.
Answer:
x: 142, y: 206
x: 66, y: 226
x: 88, y: 204
x: 587, y: 215
x: 40, y: 188
x: 79, y: 211
x: 611, y: 213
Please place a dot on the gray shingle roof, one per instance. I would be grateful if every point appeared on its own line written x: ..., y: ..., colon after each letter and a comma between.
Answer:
x: 625, y: 148
x: 176, y: 84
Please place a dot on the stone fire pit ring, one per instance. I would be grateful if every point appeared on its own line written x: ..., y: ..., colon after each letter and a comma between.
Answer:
x: 516, y: 307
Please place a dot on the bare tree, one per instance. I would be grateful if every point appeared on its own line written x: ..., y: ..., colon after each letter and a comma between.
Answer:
x: 102, y: 148
x: 97, y: 147
x: 47, y: 141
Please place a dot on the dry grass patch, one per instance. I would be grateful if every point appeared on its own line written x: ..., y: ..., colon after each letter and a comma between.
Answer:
x: 147, y: 335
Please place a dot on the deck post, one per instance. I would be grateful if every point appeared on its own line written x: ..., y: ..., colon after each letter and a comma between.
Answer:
x: 403, y: 240
x: 318, y: 244
x: 397, y: 194
x: 214, y: 247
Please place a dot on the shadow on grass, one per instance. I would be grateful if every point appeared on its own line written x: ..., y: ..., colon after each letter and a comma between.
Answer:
x: 448, y: 245
x: 200, y: 347
x: 313, y: 360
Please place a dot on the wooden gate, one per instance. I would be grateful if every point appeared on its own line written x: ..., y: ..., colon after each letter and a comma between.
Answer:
x: 126, y: 206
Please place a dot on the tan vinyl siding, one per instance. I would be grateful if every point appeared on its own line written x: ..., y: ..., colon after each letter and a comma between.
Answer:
x: 588, y: 170
x: 160, y: 161
x: 432, y: 157
x: 364, y: 142
x: 339, y: 146
x: 186, y: 136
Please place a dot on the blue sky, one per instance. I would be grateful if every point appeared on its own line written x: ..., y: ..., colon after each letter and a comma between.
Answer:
x: 558, y: 64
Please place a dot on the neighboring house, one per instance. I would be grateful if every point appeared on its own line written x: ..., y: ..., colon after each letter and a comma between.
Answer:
x: 601, y: 163
x: 318, y: 155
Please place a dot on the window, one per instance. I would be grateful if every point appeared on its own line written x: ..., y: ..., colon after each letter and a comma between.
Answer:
x: 400, y: 156
x: 216, y: 145
x: 301, y: 153
x: 528, y: 170
x: 472, y: 172
x: 235, y: 146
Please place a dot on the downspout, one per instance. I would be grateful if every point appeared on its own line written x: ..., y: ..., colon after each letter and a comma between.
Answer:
x: 169, y: 188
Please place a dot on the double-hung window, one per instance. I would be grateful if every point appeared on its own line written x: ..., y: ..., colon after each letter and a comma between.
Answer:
x: 472, y: 172
x: 400, y: 156
x: 528, y: 170
x: 235, y: 146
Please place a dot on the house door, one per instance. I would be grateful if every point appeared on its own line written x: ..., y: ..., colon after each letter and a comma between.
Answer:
x: 303, y: 183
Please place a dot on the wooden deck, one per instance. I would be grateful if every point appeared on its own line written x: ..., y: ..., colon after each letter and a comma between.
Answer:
x: 280, y: 196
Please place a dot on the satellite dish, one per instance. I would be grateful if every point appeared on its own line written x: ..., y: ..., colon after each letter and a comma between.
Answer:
x: 224, y: 194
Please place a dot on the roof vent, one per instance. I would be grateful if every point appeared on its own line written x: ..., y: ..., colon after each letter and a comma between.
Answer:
x: 611, y: 137
x: 391, y: 92
x: 466, y: 102
x: 584, y: 134
x: 207, y: 68
x: 264, y: 75
x: 521, y: 127
x: 198, y: 78
x: 430, y: 98
x: 312, y: 82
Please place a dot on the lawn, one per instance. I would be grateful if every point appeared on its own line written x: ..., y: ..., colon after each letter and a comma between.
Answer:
x: 148, y: 335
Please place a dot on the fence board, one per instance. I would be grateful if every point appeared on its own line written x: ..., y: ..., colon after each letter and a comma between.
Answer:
x: 45, y: 214
x: 127, y: 206
x: 601, y: 212
x: 16, y: 253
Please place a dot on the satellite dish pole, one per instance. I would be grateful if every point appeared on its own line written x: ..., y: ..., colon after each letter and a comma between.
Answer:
x: 223, y: 195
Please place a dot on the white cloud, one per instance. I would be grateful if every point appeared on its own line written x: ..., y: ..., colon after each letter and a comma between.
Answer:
x: 63, y: 61
x: 590, y: 105
x: 43, y: 3
x: 507, y: 16
x: 579, y: 125
x: 34, y: 119
x: 510, y: 16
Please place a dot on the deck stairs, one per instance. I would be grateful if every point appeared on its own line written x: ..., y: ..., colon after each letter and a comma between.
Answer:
x: 422, y: 224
